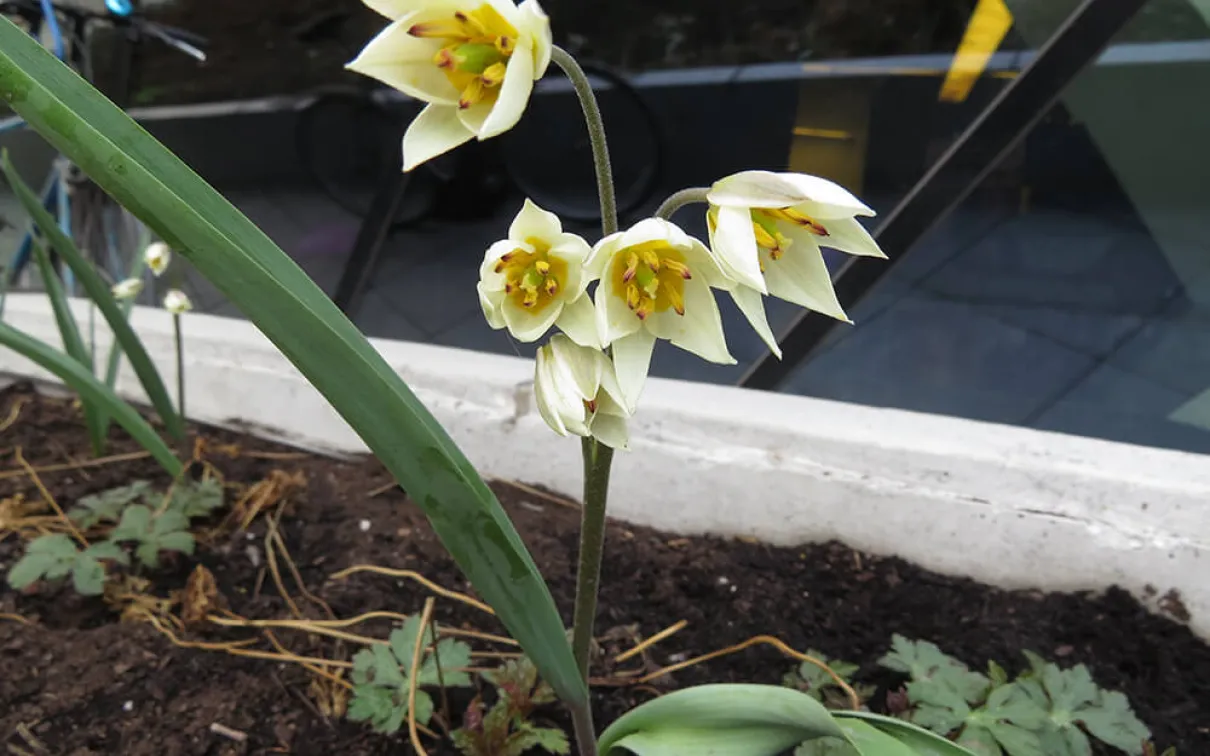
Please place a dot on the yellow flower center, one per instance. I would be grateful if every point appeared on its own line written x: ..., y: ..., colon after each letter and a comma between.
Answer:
x: 475, y: 53
x: 532, y: 279
x: 764, y: 224
x: 651, y: 278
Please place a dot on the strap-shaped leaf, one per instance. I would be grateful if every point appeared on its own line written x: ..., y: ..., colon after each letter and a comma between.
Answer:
x: 749, y: 720
x: 307, y: 327
x: 91, y: 390
x: 98, y: 291
x: 918, y: 741
x: 73, y: 343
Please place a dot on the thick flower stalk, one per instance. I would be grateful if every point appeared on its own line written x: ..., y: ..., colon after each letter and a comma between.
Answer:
x: 766, y: 231
x: 535, y: 279
x: 157, y: 256
x: 577, y: 392
x: 127, y: 289
x: 655, y: 283
x: 474, y: 63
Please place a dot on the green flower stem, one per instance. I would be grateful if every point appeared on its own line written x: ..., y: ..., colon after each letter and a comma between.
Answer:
x: 678, y: 200
x: 597, y: 460
x: 180, y: 365
x: 596, y: 133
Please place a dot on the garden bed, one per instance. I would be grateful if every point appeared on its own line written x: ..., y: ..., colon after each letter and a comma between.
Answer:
x: 79, y: 682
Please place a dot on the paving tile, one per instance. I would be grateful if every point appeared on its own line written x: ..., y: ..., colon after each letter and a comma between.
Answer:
x: 943, y: 357
x: 1173, y: 349
x: 1114, y: 404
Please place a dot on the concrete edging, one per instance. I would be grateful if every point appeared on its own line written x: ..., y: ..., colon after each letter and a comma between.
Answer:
x: 1007, y: 506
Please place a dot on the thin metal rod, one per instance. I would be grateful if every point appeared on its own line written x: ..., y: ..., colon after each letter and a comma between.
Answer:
x: 994, y: 133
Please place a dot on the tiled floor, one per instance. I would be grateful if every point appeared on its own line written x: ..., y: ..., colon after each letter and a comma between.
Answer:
x: 1051, y: 319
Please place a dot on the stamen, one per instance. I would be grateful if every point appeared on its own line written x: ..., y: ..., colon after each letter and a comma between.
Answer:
x: 632, y: 297
x: 632, y: 267
x: 552, y: 287
x: 677, y: 267
x: 678, y: 302
x: 493, y: 75
x: 799, y: 219
x: 591, y: 406
x: 440, y: 30
x: 444, y: 58
x: 506, y: 44
x: 472, y: 94
x: 651, y: 258
x: 643, y: 310
x: 530, y: 299
x: 763, y: 237
x: 471, y: 23
x: 542, y: 266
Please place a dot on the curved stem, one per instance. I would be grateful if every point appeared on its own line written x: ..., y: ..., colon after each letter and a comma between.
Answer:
x: 596, y: 133
x: 180, y: 364
x: 679, y: 199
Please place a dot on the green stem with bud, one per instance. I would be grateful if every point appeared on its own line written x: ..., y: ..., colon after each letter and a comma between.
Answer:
x: 680, y: 199
x: 597, y: 456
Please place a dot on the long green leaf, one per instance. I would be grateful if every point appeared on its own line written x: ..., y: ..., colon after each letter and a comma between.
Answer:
x: 87, y: 386
x: 752, y: 720
x: 310, y: 331
x: 98, y: 291
x: 920, y: 741
x: 73, y: 343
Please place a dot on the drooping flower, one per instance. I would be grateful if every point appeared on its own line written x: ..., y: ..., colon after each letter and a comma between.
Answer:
x: 177, y: 302
x: 766, y: 230
x: 157, y: 256
x: 535, y: 279
x: 577, y: 392
x: 473, y: 61
x: 128, y: 288
x: 655, y: 284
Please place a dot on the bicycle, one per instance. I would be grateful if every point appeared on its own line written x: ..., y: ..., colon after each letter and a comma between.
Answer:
x: 348, y: 139
x: 111, y: 237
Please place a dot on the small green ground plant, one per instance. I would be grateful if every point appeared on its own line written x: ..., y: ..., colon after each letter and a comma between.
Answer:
x: 131, y: 520
x: 507, y: 729
x: 1045, y: 711
x: 381, y: 676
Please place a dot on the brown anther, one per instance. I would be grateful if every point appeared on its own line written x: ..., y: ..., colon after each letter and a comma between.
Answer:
x: 439, y: 30
x: 678, y: 267
x: 493, y: 75
x: 542, y: 266
x: 632, y: 297
x: 643, y: 311
x: 500, y: 266
x: 677, y: 301
x: 506, y: 44
x: 590, y: 405
x: 530, y: 299
x: 652, y: 260
x: 552, y: 287
x: 444, y: 58
x: 508, y: 288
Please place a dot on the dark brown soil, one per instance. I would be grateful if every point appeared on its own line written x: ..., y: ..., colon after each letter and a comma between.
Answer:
x: 270, y: 47
x: 84, y: 684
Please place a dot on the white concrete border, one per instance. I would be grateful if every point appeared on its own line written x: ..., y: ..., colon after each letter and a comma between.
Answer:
x: 1008, y: 506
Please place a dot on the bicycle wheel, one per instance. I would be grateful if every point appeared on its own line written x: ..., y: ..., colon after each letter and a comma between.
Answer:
x: 549, y: 156
x: 350, y: 145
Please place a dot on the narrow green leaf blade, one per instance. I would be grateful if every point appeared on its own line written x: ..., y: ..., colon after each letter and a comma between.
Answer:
x: 307, y: 327
x: 69, y: 333
x: 921, y: 741
x: 98, y: 291
x: 82, y: 382
x: 114, y: 360
x: 766, y: 715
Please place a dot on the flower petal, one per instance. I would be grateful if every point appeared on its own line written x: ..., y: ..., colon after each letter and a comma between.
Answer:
x: 751, y: 304
x: 632, y: 361
x: 801, y: 276
x: 579, y: 365
x: 573, y: 250
x: 532, y: 222
x: 823, y: 199
x: 487, y: 271
x: 602, y: 254
x: 434, y: 132
x: 750, y: 189
x: 514, y: 93
x: 653, y: 229
x: 699, y: 330
x: 527, y: 326
x: 404, y: 62
x: 400, y: 8
x: 610, y: 430
x: 848, y: 235
x: 579, y: 321
x: 614, y: 318
x: 534, y: 22
x: 544, y: 396
x: 734, y: 245
x: 491, y: 301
